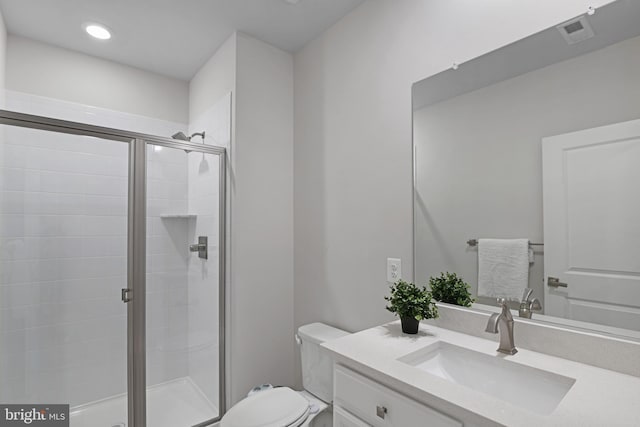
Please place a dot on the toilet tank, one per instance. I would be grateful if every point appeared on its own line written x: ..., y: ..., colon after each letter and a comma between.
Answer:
x: 317, y: 363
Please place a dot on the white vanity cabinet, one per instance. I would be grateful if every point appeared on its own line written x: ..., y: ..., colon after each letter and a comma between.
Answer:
x: 377, y: 384
x: 360, y: 401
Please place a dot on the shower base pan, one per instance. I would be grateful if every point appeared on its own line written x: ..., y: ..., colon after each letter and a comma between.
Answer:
x: 176, y: 403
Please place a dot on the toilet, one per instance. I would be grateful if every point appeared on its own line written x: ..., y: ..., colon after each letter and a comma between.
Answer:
x: 284, y: 407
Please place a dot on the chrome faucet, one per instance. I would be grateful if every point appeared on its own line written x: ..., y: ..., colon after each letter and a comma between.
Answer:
x: 504, y: 322
x: 528, y: 305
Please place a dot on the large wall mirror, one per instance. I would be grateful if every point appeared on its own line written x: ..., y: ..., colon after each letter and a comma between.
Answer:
x: 538, y: 140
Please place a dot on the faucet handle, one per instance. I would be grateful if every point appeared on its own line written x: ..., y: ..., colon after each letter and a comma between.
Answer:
x: 527, y: 294
x: 535, y: 304
x: 506, y: 311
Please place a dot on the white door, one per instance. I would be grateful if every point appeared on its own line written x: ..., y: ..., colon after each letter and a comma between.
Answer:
x: 591, y: 195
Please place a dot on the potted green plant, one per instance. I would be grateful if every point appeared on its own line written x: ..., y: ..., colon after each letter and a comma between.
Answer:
x: 411, y: 304
x: 450, y: 288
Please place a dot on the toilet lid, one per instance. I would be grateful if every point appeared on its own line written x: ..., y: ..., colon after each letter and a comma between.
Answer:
x: 272, y: 408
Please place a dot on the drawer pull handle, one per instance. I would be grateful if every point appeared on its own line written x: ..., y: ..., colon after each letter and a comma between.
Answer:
x: 381, y: 411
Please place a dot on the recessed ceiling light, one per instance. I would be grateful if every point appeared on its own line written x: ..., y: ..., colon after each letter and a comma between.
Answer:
x: 292, y: 1
x: 98, y: 31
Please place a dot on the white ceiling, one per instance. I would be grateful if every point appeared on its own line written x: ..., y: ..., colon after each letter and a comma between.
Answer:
x: 170, y: 37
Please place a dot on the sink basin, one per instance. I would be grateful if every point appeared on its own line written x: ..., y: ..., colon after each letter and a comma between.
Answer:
x: 529, y: 388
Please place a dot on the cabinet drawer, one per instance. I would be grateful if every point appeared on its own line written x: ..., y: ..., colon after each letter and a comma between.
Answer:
x: 342, y: 418
x: 380, y: 406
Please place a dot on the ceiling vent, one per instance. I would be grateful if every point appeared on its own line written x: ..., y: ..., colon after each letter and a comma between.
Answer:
x: 576, y: 30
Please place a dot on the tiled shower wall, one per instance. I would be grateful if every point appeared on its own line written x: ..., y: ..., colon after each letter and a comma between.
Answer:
x: 63, y: 245
x: 63, y: 231
x: 167, y: 262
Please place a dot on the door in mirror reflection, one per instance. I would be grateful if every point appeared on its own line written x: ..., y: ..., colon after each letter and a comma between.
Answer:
x: 591, y: 224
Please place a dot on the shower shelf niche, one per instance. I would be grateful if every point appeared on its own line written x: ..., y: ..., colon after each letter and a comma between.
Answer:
x: 178, y: 216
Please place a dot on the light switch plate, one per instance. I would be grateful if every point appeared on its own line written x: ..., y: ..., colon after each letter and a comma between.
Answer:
x: 394, y: 269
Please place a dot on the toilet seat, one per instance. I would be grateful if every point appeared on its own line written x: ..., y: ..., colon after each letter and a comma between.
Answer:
x: 279, y: 407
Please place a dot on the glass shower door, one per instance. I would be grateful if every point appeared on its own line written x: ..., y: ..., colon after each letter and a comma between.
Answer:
x: 184, y: 290
x: 91, y: 218
x: 63, y: 263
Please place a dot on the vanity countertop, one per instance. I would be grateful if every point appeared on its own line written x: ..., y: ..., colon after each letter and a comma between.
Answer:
x: 598, y: 397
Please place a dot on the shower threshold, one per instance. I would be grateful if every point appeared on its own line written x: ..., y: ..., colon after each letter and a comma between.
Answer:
x: 176, y: 403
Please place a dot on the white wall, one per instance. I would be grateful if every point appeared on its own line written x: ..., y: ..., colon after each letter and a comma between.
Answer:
x: 352, y: 152
x: 45, y: 70
x: 484, y: 179
x: 262, y: 219
x: 215, y: 79
x: 260, y: 345
x: 3, y: 59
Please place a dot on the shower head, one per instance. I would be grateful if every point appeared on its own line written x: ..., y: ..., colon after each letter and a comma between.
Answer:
x: 181, y: 136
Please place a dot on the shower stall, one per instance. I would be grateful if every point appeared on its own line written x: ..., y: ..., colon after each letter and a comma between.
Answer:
x: 112, y: 273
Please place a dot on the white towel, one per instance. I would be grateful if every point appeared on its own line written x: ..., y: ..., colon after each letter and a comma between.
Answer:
x: 503, y: 267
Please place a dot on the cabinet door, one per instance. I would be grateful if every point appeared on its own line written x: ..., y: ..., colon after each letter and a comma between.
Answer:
x: 381, y: 406
x: 342, y: 418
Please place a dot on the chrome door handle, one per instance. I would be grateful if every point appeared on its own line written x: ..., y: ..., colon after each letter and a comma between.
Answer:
x: 555, y: 282
x: 381, y: 411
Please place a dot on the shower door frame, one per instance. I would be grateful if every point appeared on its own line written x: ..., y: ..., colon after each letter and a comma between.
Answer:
x: 136, y: 246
